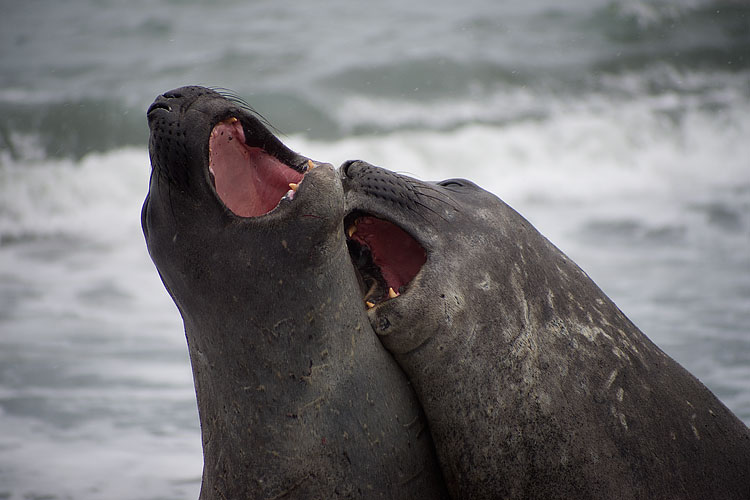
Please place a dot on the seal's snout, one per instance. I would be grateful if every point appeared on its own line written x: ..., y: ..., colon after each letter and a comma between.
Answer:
x: 174, y: 99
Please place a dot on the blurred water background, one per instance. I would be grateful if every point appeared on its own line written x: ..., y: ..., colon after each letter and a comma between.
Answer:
x: 620, y: 129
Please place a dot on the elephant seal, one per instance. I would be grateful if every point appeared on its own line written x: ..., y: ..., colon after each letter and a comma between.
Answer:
x: 535, y: 385
x: 296, y: 396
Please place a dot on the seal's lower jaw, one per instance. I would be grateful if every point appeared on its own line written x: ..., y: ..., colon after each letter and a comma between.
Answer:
x: 386, y: 257
x: 248, y: 180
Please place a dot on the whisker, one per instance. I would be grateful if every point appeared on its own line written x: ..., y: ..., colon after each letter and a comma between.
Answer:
x: 428, y: 221
x: 441, y: 199
x: 231, y: 95
x: 417, y: 202
x: 167, y: 184
x: 418, y: 189
x: 427, y: 187
x: 405, y: 173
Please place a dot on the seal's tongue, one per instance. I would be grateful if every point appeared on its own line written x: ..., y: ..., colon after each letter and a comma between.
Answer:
x: 248, y: 180
x: 394, y: 251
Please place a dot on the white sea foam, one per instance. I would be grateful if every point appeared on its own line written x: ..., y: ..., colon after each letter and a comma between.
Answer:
x: 603, y: 150
x: 95, y: 197
x: 97, y: 389
x: 97, y: 460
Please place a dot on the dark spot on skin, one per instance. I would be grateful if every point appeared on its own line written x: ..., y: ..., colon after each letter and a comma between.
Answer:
x: 383, y: 324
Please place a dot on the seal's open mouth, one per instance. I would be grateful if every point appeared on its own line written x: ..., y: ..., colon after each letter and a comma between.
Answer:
x: 248, y: 179
x: 386, y: 257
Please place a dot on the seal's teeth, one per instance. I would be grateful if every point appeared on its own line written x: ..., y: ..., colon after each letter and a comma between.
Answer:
x: 232, y: 120
x: 392, y: 294
x: 352, y: 229
x: 370, y: 305
x: 293, y: 186
x: 310, y: 165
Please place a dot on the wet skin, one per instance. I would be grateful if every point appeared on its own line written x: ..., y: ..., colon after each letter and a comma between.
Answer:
x: 296, y: 396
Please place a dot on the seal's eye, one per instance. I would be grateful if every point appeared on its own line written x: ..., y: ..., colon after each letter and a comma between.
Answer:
x: 450, y: 183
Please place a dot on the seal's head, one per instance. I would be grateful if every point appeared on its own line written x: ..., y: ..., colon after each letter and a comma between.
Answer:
x: 224, y: 190
x: 416, y: 246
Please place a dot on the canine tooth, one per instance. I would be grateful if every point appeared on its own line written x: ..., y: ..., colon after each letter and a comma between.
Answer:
x: 392, y: 294
x: 310, y: 165
x: 352, y: 229
x: 293, y: 186
x: 370, y: 305
x: 232, y: 119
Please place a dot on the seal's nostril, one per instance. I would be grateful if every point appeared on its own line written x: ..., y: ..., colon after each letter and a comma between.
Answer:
x: 158, y: 105
x: 173, y: 94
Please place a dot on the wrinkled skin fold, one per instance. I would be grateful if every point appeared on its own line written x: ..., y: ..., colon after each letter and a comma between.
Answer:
x: 296, y: 396
x: 534, y: 383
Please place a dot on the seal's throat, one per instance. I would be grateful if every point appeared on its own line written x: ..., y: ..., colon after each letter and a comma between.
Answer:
x: 248, y: 180
x: 386, y: 257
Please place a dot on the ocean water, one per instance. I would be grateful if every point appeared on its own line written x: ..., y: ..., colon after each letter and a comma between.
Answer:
x: 621, y: 130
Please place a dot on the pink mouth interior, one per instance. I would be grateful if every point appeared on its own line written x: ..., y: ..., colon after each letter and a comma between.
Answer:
x: 248, y: 180
x: 393, y: 250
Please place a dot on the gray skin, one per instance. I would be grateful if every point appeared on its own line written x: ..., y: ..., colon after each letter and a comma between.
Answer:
x: 296, y: 396
x: 534, y: 383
